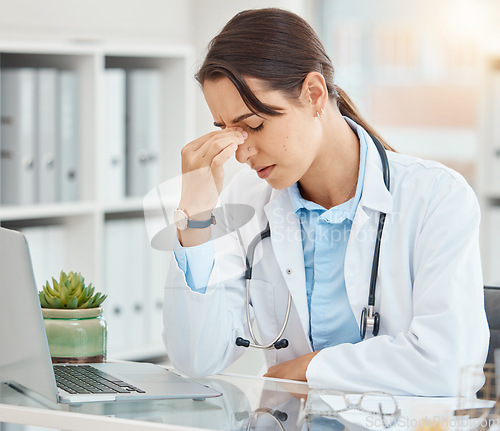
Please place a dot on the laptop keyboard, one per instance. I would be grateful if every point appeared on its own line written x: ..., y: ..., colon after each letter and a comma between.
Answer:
x: 85, y: 379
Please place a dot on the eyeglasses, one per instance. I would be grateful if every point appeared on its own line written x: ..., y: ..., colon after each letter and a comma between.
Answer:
x: 336, y: 404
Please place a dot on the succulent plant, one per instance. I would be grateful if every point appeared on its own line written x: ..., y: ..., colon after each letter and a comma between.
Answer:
x: 70, y: 292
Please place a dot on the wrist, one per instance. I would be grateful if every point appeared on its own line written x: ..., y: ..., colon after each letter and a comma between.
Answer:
x: 184, y: 220
x: 199, y: 215
x: 196, y: 212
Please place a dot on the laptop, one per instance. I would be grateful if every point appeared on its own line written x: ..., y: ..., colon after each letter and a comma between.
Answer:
x: 25, y: 361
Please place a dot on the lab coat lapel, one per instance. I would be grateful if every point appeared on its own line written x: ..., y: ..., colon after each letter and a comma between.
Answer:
x: 286, y: 237
x: 357, y: 264
x: 359, y: 254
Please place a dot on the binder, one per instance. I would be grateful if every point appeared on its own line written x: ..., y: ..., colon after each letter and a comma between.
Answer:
x: 126, y: 284
x: 159, y: 265
x: 18, y: 164
x: 137, y: 289
x: 143, y: 131
x: 113, y: 145
x: 56, y: 252
x: 115, y: 285
x: 47, y: 136
x: 68, y: 172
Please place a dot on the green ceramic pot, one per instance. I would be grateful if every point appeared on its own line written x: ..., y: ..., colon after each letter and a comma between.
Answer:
x: 76, y: 336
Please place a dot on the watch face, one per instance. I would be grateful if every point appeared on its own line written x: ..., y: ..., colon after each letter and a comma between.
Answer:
x: 180, y: 219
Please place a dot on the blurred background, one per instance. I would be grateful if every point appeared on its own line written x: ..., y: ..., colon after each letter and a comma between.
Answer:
x: 425, y: 73
x: 415, y: 69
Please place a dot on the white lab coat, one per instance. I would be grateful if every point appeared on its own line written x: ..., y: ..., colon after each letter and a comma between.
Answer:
x: 429, y: 287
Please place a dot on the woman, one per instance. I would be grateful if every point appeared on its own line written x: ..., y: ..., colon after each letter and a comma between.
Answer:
x: 319, y: 183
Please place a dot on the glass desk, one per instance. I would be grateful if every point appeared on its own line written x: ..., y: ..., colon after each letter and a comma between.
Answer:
x: 247, y: 403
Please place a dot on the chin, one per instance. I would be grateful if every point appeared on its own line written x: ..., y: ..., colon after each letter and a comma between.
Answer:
x: 279, y: 184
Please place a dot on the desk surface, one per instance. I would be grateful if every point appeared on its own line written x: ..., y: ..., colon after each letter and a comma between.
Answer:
x: 241, y: 396
x: 247, y: 403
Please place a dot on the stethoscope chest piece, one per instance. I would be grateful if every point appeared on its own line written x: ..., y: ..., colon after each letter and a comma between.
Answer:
x: 369, y: 321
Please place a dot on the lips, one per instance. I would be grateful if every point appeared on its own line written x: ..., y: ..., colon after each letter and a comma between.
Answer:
x: 264, y: 171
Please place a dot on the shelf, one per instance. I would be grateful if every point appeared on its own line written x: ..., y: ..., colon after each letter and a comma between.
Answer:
x: 93, y: 47
x: 124, y: 206
x: 58, y: 210
x: 103, y: 233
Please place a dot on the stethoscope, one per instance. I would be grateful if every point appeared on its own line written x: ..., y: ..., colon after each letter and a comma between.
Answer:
x: 370, y: 319
x: 278, y: 416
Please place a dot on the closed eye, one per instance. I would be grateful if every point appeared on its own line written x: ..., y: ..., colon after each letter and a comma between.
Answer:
x: 256, y: 129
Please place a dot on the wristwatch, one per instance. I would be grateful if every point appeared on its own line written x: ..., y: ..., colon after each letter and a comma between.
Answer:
x: 182, y: 220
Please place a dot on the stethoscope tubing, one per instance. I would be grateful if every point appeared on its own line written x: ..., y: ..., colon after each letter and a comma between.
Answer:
x: 256, y: 343
x: 381, y: 222
x: 277, y: 415
x: 266, y: 233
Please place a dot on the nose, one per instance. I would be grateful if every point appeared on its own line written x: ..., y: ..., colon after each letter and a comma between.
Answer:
x: 244, y: 152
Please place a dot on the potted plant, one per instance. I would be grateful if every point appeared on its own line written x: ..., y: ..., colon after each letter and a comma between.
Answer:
x: 72, y: 312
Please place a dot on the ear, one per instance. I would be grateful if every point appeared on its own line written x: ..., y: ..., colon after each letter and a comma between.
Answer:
x: 314, y: 92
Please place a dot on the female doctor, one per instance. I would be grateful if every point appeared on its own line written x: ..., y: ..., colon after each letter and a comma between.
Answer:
x: 319, y: 181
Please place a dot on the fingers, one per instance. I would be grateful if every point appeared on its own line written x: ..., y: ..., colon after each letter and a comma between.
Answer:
x: 197, y: 143
x: 202, y: 140
x: 218, y: 143
x: 224, y: 155
x: 209, y: 146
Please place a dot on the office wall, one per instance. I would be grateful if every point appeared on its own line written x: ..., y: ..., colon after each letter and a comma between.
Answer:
x: 162, y: 21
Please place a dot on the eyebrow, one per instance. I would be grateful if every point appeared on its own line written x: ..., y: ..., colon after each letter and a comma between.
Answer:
x: 236, y: 120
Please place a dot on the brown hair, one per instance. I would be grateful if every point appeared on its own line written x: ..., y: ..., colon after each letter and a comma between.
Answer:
x: 279, y: 48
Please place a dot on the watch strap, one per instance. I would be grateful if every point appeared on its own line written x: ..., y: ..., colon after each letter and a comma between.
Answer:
x: 197, y: 224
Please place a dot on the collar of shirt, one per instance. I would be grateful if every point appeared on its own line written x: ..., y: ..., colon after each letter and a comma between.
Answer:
x: 346, y: 210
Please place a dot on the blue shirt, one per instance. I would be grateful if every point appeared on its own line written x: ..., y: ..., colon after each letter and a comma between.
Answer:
x: 325, y: 234
x: 200, y: 257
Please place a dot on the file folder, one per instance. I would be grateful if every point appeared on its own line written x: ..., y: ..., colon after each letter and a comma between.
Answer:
x: 113, y: 145
x: 18, y: 164
x: 143, y: 138
x: 68, y: 149
x: 47, y: 139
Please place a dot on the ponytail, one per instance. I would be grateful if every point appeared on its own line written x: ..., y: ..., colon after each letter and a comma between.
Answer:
x: 349, y: 109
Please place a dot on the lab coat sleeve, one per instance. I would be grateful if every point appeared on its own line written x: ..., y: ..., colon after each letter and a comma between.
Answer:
x: 200, y: 330
x: 448, y: 329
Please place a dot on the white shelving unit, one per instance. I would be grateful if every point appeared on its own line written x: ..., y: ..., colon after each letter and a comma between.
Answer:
x: 489, y: 169
x: 82, y: 225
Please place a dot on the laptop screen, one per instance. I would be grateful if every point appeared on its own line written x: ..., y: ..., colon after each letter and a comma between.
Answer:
x: 24, y: 353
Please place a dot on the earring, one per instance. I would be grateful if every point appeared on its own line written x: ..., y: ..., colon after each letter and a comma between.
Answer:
x: 322, y: 113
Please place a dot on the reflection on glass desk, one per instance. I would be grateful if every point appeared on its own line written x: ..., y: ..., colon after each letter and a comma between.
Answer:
x: 247, y: 403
